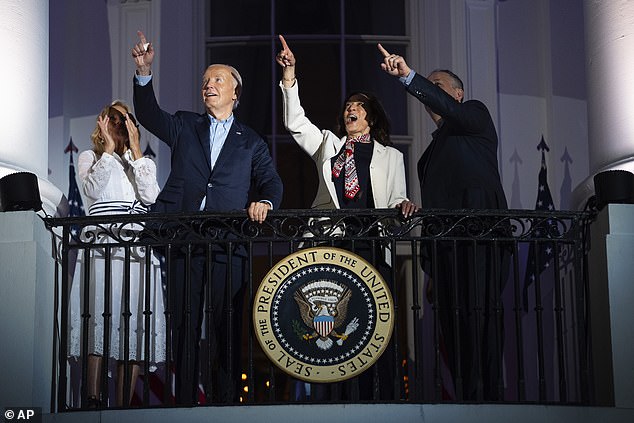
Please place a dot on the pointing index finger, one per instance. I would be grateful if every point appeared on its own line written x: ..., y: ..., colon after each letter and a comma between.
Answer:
x: 141, y: 37
x: 283, y: 41
x: 382, y: 50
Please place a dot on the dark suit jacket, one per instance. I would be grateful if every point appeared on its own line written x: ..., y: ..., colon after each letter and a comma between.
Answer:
x: 244, y: 159
x: 459, y: 169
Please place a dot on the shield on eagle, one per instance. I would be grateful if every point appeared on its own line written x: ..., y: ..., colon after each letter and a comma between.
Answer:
x: 323, y: 304
x: 324, y: 324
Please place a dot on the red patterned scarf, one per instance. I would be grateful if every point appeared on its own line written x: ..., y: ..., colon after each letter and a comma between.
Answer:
x: 346, y: 158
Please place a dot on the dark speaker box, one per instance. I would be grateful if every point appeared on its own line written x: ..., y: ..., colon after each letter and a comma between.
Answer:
x: 20, y: 191
x: 614, y: 186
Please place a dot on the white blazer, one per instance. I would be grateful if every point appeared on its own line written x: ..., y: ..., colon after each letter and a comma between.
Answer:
x: 387, y: 169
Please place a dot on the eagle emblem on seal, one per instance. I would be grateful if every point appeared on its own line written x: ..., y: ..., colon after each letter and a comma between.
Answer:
x: 323, y: 306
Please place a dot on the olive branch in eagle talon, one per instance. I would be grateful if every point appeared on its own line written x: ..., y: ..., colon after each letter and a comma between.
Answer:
x: 298, y: 328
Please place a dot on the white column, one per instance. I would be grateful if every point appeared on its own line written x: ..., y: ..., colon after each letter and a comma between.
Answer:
x: 611, y: 295
x: 24, y: 84
x: 26, y: 306
x: 609, y: 27
x: 24, y: 88
x: 26, y: 311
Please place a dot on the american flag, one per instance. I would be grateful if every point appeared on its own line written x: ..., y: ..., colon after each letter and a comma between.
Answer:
x: 75, y: 204
x: 543, y: 229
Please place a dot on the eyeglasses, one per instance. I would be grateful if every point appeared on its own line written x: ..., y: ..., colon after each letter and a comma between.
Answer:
x: 119, y: 119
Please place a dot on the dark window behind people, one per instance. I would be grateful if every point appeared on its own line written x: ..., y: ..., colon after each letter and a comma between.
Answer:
x: 216, y: 161
x: 459, y: 170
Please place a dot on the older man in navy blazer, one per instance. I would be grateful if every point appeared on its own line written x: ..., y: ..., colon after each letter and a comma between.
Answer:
x: 216, y: 162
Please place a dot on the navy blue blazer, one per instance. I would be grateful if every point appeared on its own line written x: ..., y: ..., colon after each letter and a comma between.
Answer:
x: 459, y: 169
x: 244, y: 161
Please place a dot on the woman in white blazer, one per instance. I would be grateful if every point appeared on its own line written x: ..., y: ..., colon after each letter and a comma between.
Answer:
x: 380, y: 167
x: 358, y: 168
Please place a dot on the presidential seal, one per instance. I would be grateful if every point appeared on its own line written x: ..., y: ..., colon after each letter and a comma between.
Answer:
x: 323, y: 314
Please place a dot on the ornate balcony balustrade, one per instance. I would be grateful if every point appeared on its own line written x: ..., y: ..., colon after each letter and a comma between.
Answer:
x: 508, y: 296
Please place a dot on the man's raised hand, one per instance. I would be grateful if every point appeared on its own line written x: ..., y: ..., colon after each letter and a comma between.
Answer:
x: 393, y: 64
x: 143, y: 54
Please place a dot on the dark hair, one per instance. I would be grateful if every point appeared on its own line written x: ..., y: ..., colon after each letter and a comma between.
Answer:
x: 376, y: 116
x: 457, y: 82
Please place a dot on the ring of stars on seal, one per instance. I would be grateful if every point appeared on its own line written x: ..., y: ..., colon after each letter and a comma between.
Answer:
x: 323, y: 314
x: 292, y: 346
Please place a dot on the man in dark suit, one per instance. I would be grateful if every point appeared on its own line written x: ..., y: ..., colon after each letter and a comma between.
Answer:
x: 459, y: 170
x: 216, y: 161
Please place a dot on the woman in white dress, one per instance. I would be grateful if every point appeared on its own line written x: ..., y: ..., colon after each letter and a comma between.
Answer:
x: 115, y: 178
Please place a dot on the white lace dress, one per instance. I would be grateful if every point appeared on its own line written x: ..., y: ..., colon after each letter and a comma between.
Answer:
x: 116, y: 185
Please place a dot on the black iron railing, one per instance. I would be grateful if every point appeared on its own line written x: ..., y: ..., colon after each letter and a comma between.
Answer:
x: 504, y: 317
